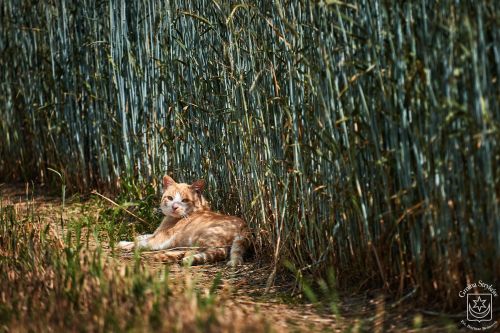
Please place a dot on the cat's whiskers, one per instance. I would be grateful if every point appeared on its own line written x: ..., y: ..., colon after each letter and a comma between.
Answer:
x: 186, y: 216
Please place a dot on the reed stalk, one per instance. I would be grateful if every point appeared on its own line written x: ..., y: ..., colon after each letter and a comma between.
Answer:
x: 357, y: 135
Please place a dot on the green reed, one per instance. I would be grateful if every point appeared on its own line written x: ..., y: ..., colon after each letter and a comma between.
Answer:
x: 356, y: 135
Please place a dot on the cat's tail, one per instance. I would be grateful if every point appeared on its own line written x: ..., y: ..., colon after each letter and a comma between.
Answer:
x: 240, y: 244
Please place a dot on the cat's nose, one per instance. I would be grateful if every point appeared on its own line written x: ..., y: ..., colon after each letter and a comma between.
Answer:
x: 174, y: 207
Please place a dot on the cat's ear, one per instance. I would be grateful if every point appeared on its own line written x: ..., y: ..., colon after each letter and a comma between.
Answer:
x: 198, y: 185
x: 167, y: 181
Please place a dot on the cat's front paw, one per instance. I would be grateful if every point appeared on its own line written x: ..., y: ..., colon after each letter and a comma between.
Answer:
x: 126, y: 246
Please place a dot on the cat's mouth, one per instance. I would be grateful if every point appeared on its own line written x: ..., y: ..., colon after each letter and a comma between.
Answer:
x: 177, y: 213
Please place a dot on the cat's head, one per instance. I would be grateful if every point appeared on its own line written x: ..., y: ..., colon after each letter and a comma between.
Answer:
x: 180, y: 199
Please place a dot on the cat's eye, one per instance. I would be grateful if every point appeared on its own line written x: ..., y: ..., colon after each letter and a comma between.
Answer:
x: 170, y: 198
x: 185, y: 200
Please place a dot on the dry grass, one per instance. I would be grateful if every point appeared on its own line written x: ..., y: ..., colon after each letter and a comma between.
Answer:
x: 57, y: 280
x: 69, y: 279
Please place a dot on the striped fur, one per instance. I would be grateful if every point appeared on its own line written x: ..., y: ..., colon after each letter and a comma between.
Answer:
x: 208, y: 256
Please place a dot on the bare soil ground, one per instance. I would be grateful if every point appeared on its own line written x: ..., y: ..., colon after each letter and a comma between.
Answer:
x: 243, y: 290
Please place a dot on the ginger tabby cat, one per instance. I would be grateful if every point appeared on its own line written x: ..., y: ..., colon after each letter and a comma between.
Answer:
x: 189, y: 222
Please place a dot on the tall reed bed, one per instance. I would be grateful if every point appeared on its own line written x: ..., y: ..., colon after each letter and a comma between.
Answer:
x: 357, y: 135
